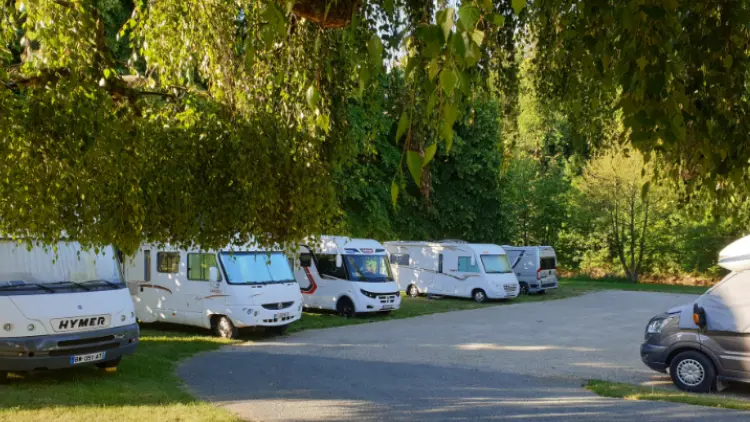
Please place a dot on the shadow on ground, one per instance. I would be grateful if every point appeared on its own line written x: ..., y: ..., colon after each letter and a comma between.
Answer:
x: 272, y: 387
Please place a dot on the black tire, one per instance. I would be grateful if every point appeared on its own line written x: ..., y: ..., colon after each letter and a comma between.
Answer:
x: 345, y: 307
x: 524, y: 290
x: 694, y: 372
x: 541, y: 292
x: 478, y: 295
x: 110, y: 364
x: 277, y: 330
x: 412, y: 291
x: 224, y: 328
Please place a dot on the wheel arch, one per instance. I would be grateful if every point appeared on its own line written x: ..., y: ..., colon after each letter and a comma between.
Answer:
x: 691, y: 347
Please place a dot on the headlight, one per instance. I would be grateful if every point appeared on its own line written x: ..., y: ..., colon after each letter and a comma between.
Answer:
x: 656, y: 326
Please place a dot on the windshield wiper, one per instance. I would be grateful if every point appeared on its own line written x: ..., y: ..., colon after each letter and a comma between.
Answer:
x: 79, y: 285
x: 103, y: 281
x: 38, y: 286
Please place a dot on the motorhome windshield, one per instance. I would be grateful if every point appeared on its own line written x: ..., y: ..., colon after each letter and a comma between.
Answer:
x: 496, y: 264
x: 371, y: 268
x: 256, y: 267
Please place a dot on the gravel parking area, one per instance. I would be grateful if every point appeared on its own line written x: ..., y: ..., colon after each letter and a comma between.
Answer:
x: 517, y: 361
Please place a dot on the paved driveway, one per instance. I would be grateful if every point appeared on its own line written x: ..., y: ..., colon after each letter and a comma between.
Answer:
x: 524, y: 361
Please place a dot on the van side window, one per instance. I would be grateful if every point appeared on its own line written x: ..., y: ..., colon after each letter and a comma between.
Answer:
x: 327, y: 266
x: 464, y: 265
x: 168, y: 262
x: 440, y: 263
x: 198, y: 265
x: 548, y: 263
x: 400, y: 259
x: 147, y: 265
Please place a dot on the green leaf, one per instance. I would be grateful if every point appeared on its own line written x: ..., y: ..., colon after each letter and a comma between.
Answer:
x: 468, y: 15
x: 388, y: 6
x: 487, y: 4
x: 477, y: 36
x: 249, y: 57
x: 445, y: 20
x: 450, y: 113
x: 448, y: 80
x: 518, y: 6
x: 447, y: 132
x: 432, y: 69
x: 498, y: 20
x: 431, y: 103
x: 394, y: 193
x: 644, y: 190
x: 429, y: 154
x: 728, y: 60
x: 403, y: 125
x: 375, y: 47
x: 414, y: 163
x: 312, y: 96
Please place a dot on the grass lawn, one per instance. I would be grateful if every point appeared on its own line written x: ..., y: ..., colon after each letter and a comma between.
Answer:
x: 146, y: 388
x: 636, y: 392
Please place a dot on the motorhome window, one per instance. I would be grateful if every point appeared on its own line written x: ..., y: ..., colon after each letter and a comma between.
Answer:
x: 464, y: 265
x: 400, y: 259
x: 256, y: 267
x: 305, y: 260
x: 496, y: 264
x: 373, y: 268
x: 146, y: 265
x: 548, y: 263
x: 199, y: 264
x: 168, y: 262
x: 440, y: 263
x: 327, y: 266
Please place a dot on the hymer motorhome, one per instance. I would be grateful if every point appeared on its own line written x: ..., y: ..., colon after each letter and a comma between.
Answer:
x: 346, y: 275
x: 453, y: 268
x: 222, y: 290
x: 62, y: 306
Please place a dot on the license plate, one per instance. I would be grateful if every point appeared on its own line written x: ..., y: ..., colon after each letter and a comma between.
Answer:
x: 387, y: 306
x: 282, y: 315
x: 93, y: 357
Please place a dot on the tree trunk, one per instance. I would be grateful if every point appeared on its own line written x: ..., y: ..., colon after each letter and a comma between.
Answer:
x: 633, y: 271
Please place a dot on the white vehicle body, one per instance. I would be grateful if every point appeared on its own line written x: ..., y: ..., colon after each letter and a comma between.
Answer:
x: 249, y: 286
x: 336, y: 271
x: 62, y: 308
x: 479, y: 271
x: 535, y: 267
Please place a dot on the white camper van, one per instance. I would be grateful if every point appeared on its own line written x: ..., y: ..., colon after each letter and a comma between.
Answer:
x: 61, y: 306
x: 535, y: 267
x: 223, y: 290
x: 453, y: 268
x: 346, y: 275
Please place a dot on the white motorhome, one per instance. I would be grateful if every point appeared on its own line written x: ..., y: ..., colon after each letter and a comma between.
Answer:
x: 346, y: 275
x: 61, y: 306
x: 453, y: 268
x: 535, y: 267
x: 223, y: 290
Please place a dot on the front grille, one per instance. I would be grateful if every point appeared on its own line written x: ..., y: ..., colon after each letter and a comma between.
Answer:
x: 277, y: 306
x: 286, y: 318
x: 84, y: 350
x: 510, y: 288
x: 80, y: 341
x: 387, y: 299
x: 548, y: 284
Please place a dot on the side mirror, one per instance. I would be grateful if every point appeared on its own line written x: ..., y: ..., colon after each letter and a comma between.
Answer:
x: 213, y: 275
x: 699, y: 316
x: 339, y: 260
x: 305, y: 260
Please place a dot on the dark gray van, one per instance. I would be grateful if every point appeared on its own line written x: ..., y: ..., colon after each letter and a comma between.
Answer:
x: 707, y: 342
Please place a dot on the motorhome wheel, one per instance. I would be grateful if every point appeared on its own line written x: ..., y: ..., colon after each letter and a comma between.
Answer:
x: 524, y: 289
x: 412, y: 291
x: 479, y: 295
x: 692, y: 371
x: 224, y: 328
x: 345, y: 307
x: 110, y: 365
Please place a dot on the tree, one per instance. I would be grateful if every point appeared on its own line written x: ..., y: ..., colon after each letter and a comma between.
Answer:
x: 211, y: 121
x: 618, y: 184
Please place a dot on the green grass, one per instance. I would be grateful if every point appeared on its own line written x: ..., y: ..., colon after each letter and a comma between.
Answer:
x: 635, y: 392
x: 146, y: 388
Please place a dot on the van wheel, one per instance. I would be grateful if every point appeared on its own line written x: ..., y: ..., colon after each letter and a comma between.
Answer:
x: 223, y: 327
x: 412, y: 291
x: 277, y: 330
x: 478, y: 295
x: 541, y: 292
x: 524, y: 289
x: 110, y: 365
x: 345, y: 307
x: 693, y: 372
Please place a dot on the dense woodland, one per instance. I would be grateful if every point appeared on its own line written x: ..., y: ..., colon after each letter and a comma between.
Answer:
x: 614, y: 131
